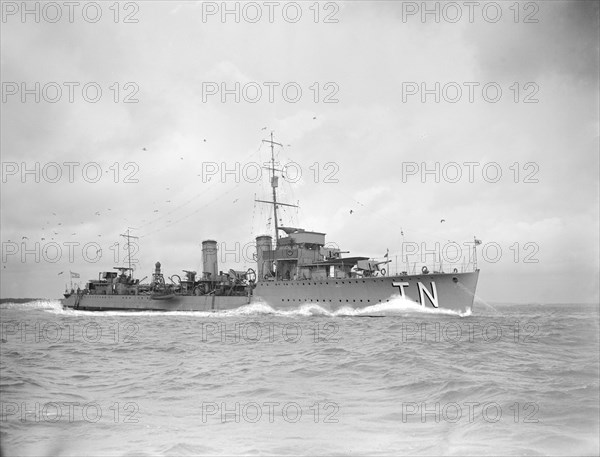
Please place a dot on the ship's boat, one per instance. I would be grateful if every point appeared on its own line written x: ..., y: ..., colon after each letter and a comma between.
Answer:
x: 163, y: 296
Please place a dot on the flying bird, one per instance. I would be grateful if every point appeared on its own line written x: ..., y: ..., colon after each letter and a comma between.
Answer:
x: 236, y: 200
x: 264, y: 128
x: 351, y: 211
x: 314, y: 117
x: 24, y: 238
x: 144, y: 149
x: 204, y: 140
x: 443, y: 220
x: 60, y: 273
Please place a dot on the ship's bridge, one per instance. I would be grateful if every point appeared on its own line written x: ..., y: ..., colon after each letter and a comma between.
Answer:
x: 300, y: 254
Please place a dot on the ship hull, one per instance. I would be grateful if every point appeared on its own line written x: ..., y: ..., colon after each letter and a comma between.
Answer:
x: 447, y: 291
x: 147, y: 303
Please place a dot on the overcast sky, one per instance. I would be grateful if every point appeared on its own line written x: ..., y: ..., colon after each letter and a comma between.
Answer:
x: 516, y: 93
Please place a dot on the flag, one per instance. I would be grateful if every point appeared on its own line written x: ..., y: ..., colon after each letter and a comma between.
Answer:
x: 74, y: 275
x: 477, y: 241
x: 386, y: 253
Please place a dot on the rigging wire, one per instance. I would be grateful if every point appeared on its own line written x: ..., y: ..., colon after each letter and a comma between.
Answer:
x: 190, y: 214
x: 189, y: 201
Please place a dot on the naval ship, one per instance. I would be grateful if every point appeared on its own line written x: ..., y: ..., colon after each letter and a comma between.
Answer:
x: 294, y: 267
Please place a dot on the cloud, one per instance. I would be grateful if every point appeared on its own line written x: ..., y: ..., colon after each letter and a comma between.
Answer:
x: 561, y: 42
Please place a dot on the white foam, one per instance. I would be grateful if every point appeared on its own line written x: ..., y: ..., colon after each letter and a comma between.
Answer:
x: 397, y: 305
x: 48, y: 305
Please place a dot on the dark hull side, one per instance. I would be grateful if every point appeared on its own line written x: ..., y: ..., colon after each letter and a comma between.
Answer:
x: 447, y: 291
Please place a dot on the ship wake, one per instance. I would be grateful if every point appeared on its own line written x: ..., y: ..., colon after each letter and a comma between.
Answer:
x: 43, y: 305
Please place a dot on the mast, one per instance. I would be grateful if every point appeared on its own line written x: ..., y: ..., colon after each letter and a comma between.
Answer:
x: 475, y: 253
x: 274, y: 185
x: 128, y: 236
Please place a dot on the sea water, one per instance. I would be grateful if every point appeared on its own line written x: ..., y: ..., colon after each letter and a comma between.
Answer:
x: 391, y: 379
